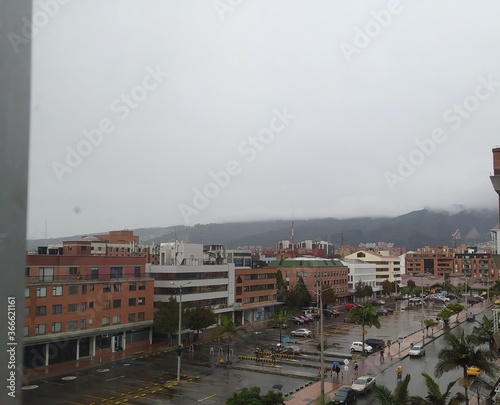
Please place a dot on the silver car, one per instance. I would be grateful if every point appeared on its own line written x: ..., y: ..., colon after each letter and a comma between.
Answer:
x: 301, y: 332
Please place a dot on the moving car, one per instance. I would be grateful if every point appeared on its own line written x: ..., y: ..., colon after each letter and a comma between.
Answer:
x: 471, y: 317
x: 292, y: 350
x: 375, y: 343
x: 301, y: 332
x: 473, y: 371
x: 417, y: 351
x: 345, y: 395
x: 358, y: 347
x: 296, y: 321
x: 363, y: 384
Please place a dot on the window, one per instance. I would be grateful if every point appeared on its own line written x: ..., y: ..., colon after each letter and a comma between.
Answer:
x: 41, y: 292
x: 57, y: 291
x: 137, y: 271
x: 41, y: 310
x: 84, y: 289
x: 132, y: 287
x: 40, y: 329
x: 131, y: 317
x: 141, y: 301
x: 26, y: 292
x: 91, y: 304
x: 72, y: 325
x: 117, y: 303
x: 57, y: 309
x: 140, y: 316
x: 117, y: 287
x: 116, y: 272
x: 46, y: 274
x: 131, y: 302
x: 26, y: 311
x: 84, y: 248
x: 56, y: 327
x: 106, y: 288
x: 116, y: 319
x: 105, y: 320
x: 106, y: 304
x: 73, y: 271
x: 27, y: 272
x: 72, y: 307
x: 142, y: 285
x: 73, y: 289
x: 26, y: 331
x: 94, y: 273
x: 84, y: 306
x: 83, y: 324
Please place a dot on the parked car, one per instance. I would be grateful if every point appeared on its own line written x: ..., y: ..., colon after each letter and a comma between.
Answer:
x: 304, y: 318
x: 301, y: 332
x: 296, y: 321
x: 472, y: 301
x: 401, y: 297
x: 389, y: 310
x: 363, y: 384
x: 471, y: 317
x: 479, y: 298
x: 473, y: 371
x: 345, y: 395
x: 375, y: 343
x: 350, y: 306
x: 292, y: 350
x: 439, y: 300
x: 451, y: 296
x: 381, y: 311
x: 358, y: 347
x: 417, y: 351
x: 377, y: 303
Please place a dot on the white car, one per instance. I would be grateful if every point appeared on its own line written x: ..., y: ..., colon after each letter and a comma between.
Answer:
x: 417, y: 351
x: 363, y: 384
x: 301, y: 332
x: 358, y: 347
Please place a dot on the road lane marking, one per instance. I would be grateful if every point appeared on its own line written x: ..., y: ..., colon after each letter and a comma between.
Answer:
x: 203, y: 399
x: 114, y: 378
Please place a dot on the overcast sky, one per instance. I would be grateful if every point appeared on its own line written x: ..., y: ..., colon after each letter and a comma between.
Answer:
x: 159, y: 113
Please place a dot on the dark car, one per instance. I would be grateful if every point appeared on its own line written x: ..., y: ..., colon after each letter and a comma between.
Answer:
x: 377, y: 344
x: 345, y: 395
x: 472, y: 301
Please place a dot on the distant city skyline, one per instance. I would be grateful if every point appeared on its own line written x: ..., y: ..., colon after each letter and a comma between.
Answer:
x: 178, y: 113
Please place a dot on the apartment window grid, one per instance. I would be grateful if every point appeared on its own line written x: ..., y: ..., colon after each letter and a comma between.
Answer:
x: 106, y: 304
x: 116, y: 319
x: 140, y: 316
x: 56, y: 327
x: 41, y: 291
x: 56, y: 309
x: 132, y: 287
x: 105, y: 320
x: 73, y: 290
x: 26, y: 292
x: 41, y: 310
x: 72, y: 307
x: 131, y: 317
x: 57, y: 291
x: 131, y: 302
x: 72, y: 325
x: 117, y: 303
x: 83, y: 324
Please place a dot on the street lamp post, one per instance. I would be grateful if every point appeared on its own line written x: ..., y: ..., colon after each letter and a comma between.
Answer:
x: 179, y: 348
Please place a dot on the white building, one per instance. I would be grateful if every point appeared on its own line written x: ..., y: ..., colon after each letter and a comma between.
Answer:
x: 361, y: 271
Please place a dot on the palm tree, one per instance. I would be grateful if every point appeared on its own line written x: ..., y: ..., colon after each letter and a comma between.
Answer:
x: 227, y: 329
x: 484, y: 333
x: 435, y: 396
x: 400, y: 395
x: 365, y: 316
x: 461, y: 352
x: 279, y: 320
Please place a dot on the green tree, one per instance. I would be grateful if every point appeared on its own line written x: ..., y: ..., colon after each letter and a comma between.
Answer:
x: 199, y: 318
x: 484, y: 333
x: 166, y: 317
x: 411, y: 285
x: 400, y: 395
x: 302, y: 294
x: 226, y: 329
x: 359, y: 289
x: 251, y: 396
x: 455, y: 308
x: 387, y: 287
x: 366, y: 316
x: 280, y: 286
x: 278, y: 320
x: 461, y: 352
x: 430, y: 323
x: 328, y: 296
x: 435, y: 396
x: 368, y: 290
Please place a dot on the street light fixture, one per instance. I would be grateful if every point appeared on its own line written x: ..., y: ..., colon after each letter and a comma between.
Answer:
x: 179, y: 348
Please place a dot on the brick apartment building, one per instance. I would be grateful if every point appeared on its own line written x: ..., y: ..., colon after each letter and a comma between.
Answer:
x: 78, y: 304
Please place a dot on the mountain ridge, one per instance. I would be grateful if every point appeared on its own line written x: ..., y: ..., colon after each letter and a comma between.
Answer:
x: 411, y: 230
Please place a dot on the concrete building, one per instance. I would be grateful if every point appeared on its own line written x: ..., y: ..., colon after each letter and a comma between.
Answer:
x: 436, y: 261
x: 387, y: 267
x: 78, y: 305
x: 360, y: 271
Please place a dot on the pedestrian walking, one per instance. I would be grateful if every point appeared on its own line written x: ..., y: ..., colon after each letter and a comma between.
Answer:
x: 356, y: 366
x: 382, y: 356
x: 337, y: 370
x: 399, y: 372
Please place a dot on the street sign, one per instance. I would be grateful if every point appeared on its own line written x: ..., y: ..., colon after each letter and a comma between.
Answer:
x: 346, y: 368
x: 346, y: 362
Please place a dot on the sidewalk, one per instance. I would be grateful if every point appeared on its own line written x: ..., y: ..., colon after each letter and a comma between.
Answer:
x: 371, y: 365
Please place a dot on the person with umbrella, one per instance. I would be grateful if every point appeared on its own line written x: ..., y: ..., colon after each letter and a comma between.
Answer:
x: 336, y: 368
